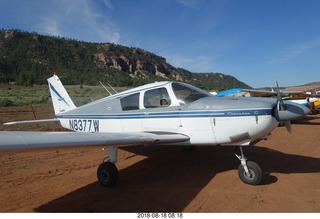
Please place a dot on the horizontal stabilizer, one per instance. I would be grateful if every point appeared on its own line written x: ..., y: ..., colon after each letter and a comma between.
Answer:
x: 30, y: 121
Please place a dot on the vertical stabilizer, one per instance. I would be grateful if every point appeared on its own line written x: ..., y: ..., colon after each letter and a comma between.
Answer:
x: 60, y: 98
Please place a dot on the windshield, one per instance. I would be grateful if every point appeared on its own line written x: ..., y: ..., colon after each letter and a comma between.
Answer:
x: 187, y: 93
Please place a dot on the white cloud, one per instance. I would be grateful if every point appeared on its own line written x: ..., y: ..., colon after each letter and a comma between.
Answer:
x: 49, y: 26
x: 296, y: 51
x: 193, y: 64
x: 108, y: 4
x: 80, y: 19
x: 194, y: 4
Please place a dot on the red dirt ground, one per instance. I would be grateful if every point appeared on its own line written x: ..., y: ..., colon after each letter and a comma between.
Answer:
x: 163, y: 178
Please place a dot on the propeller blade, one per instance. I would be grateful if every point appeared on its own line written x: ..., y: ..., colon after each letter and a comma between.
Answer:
x: 281, y: 105
x: 288, y: 125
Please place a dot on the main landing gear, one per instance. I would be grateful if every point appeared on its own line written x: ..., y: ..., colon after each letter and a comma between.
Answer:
x: 248, y: 171
x: 107, y: 172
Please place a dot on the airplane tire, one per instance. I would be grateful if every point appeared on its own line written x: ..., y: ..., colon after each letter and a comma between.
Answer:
x: 107, y: 174
x: 255, y: 176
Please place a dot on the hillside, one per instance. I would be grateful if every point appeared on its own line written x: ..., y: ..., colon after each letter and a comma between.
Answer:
x: 29, y: 58
x: 313, y: 87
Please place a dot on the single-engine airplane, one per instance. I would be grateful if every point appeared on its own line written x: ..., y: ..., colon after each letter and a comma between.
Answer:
x: 305, y: 101
x: 171, y: 113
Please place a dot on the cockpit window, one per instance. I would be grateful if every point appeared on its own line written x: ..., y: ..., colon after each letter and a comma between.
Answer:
x: 156, y: 98
x: 130, y: 102
x: 187, y: 94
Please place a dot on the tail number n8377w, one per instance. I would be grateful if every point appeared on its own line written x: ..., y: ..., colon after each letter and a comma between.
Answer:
x: 84, y: 125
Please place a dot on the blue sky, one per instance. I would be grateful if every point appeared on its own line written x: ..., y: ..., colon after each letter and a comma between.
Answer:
x: 256, y: 41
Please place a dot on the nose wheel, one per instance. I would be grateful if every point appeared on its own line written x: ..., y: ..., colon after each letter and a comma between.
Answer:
x: 249, y: 172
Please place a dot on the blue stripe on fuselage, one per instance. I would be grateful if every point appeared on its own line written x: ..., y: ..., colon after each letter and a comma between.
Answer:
x: 175, y: 114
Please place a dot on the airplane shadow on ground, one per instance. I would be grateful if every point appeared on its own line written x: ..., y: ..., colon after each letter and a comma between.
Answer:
x: 170, y: 178
x: 309, y: 120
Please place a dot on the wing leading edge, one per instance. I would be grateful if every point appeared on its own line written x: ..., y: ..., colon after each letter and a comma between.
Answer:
x: 20, y: 140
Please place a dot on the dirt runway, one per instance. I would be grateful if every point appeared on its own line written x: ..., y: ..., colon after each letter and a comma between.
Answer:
x: 168, y: 179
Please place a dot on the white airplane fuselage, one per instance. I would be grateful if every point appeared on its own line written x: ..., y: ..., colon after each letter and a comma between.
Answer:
x: 205, y: 130
x: 206, y: 121
x: 304, y: 101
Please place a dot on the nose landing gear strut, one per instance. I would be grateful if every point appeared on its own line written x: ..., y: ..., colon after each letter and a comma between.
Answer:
x: 248, y: 171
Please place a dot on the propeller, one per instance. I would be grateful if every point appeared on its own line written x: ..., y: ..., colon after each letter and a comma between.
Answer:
x: 281, y: 104
x: 285, y: 113
x: 282, y: 107
x: 288, y: 125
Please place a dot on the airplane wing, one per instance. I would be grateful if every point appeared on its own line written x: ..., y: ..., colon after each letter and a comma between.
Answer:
x: 20, y: 139
x: 260, y: 93
x: 236, y: 92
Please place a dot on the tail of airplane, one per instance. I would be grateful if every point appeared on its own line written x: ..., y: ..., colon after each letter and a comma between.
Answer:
x: 60, y: 98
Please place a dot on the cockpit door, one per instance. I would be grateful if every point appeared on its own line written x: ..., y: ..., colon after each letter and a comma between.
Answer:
x: 159, y: 115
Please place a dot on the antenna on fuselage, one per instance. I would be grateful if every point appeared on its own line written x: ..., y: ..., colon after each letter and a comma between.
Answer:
x: 113, y: 88
x: 105, y: 88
